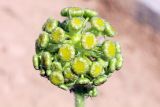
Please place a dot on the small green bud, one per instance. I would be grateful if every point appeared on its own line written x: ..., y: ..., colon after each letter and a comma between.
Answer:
x: 75, y: 12
x: 90, y: 13
x: 118, y: 47
x: 56, y: 78
x: 57, y: 35
x: 50, y: 25
x: 56, y: 66
x: 36, y: 62
x: 53, y: 48
x: 64, y: 12
x: 112, y: 65
x: 80, y: 65
x: 100, y: 80
x: 119, y: 62
x: 96, y: 69
x: 46, y: 60
x: 109, y: 31
x: 88, y: 40
x: 66, y: 52
x: 103, y: 62
x: 48, y: 72
x: 75, y: 24
x: 109, y: 49
x: 43, y: 40
x: 98, y: 24
x: 83, y: 81
x: 63, y: 86
x: 93, y: 92
x: 72, y: 12
x: 69, y: 75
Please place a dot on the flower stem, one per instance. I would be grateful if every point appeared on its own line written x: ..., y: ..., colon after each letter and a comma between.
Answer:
x: 79, y: 99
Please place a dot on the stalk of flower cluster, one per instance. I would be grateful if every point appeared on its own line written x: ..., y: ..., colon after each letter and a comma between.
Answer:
x: 79, y: 99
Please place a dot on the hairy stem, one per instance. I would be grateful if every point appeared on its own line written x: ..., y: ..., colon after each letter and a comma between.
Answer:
x: 79, y: 99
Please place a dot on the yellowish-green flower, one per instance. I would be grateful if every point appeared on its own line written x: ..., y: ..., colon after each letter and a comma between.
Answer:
x: 50, y: 25
x: 68, y: 74
x: 58, y: 35
x: 109, y: 49
x: 96, y: 69
x: 80, y: 65
x: 43, y: 40
x: 98, y: 23
x: 88, y: 40
x: 76, y: 24
x: 66, y: 52
x: 56, y: 78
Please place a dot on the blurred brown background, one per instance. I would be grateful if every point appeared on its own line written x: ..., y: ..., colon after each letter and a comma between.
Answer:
x: 137, y: 84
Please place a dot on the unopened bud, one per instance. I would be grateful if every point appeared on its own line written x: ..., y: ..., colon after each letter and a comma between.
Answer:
x: 100, y: 80
x: 56, y: 78
x: 119, y: 62
x: 50, y: 25
x: 43, y: 40
x: 90, y: 13
x: 109, y: 31
x: 57, y: 35
x: 46, y: 60
x: 36, y: 62
x: 112, y: 65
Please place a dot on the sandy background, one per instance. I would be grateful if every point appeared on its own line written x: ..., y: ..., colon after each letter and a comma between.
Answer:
x: 137, y: 84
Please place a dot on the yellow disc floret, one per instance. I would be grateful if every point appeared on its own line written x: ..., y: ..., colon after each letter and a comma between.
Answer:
x: 98, y: 23
x: 80, y: 66
x: 88, y: 40
x: 109, y: 48
x: 76, y: 23
x: 96, y: 69
x: 56, y: 78
x: 57, y: 35
x: 66, y: 52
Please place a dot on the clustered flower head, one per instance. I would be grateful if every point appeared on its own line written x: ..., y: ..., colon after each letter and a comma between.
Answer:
x: 69, y: 54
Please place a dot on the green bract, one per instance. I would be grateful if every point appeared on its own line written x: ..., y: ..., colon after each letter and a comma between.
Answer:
x: 69, y: 54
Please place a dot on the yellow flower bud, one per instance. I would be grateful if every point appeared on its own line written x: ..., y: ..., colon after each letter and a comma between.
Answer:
x: 58, y: 35
x: 36, y: 62
x: 56, y: 78
x: 80, y: 65
x: 50, y: 25
x: 98, y: 23
x: 43, y: 40
x: 96, y: 69
x: 109, y: 49
x: 46, y: 60
x: 88, y: 40
x: 100, y: 80
x: 66, y: 52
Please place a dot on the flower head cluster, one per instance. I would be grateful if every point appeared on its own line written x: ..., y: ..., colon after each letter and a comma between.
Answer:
x: 69, y: 54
